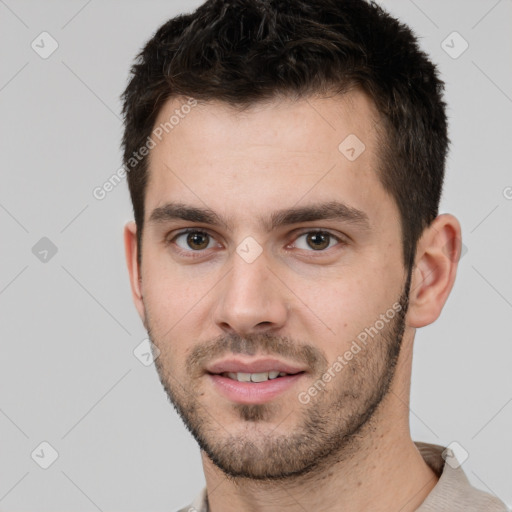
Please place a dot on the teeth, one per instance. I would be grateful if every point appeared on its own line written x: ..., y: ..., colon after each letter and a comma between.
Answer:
x: 259, y: 377
x: 254, y: 377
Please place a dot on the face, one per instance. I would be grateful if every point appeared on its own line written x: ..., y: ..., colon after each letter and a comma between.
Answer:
x: 272, y: 279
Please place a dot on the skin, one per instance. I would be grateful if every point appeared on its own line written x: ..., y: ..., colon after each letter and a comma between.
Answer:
x: 349, y: 448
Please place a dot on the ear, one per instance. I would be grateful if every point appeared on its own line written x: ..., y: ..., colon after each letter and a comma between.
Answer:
x: 131, y: 252
x: 437, y: 257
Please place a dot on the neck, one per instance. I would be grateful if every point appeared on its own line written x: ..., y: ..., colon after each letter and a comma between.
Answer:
x: 383, y: 472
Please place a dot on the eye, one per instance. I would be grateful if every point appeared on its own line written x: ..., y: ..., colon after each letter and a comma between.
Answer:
x: 316, y: 240
x: 194, y: 240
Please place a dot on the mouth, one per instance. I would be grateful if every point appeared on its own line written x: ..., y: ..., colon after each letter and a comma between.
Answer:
x: 267, y: 365
x: 256, y: 377
x: 253, y: 382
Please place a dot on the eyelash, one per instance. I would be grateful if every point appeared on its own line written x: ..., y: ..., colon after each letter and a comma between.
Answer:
x: 200, y: 253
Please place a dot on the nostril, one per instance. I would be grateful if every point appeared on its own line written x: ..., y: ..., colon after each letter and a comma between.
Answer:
x: 264, y: 324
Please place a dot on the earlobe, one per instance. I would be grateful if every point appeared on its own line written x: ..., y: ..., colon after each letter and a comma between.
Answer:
x: 131, y: 253
x: 433, y: 275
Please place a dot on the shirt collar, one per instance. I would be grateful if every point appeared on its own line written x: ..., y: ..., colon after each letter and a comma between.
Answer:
x: 452, y: 493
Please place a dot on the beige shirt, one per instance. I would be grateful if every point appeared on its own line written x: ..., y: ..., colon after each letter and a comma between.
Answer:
x: 452, y: 493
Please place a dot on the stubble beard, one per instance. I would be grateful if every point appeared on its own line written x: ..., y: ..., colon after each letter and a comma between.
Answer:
x: 328, y: 429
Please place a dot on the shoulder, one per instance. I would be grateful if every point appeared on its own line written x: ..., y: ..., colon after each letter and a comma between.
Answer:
x: 200, y: 503
x: 453, y: 491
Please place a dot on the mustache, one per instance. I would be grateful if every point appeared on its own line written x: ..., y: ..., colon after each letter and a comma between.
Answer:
x: 263, y: 344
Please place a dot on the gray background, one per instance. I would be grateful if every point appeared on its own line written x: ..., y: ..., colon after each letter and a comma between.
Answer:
x: 68, y: 374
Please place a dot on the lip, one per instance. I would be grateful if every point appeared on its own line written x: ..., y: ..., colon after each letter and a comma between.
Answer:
x: 237, y: 365
x: 253, y: 392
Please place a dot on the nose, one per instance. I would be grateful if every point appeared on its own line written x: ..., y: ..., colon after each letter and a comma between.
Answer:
x: 250, y: 299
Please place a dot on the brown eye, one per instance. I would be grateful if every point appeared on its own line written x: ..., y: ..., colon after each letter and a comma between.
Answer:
x: 197, y: 240
x: 193, y: 240
x: 318, y: 240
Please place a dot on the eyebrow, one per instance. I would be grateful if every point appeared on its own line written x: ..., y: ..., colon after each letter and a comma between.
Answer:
x: 332, y: 210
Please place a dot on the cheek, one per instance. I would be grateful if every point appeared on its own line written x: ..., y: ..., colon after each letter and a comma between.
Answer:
x: 176, y: 305
x: 343, y: 307
x: 168, y: 290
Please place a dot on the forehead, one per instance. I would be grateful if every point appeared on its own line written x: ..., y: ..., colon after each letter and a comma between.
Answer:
x: 276, y: 152
x: 307, y: 125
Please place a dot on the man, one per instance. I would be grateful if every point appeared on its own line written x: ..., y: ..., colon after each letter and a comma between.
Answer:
x: 285, y: 162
